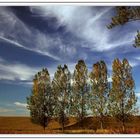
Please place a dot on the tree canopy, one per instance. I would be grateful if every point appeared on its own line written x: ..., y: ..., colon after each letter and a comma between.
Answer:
x: 80, y: 93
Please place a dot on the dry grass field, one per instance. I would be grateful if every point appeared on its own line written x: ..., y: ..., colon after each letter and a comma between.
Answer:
x: 23, y: 125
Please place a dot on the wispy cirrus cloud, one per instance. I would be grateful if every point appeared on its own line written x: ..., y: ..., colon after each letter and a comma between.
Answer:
x: 19, y: 34
x: 16, y: 71
x: 87, y: 23
x: 14, y: 31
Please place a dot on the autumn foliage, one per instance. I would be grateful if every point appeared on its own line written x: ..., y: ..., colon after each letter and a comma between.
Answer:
x: 82, y: 94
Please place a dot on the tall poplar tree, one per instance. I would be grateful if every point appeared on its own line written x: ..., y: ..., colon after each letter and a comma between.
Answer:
x: 61, y: 91
x: 40, y: 103
x: 99, y: 91
x: 80, y: 91
x: 122, y: 96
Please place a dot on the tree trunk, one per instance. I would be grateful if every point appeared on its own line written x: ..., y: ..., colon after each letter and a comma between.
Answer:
x: 44, y: 128
x: 123, y: 126
x: 101, y: 121
x: 82, y: 113
x: 81, y: 123
x: 44, y: 123
x: 62, y: 127
x: 101, y: 124
x: 123, y: 117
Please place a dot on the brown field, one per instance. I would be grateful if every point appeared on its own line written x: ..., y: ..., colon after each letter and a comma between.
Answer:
x: 23, y: 125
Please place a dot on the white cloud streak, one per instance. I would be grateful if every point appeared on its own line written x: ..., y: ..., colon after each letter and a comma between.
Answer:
x: 19, y: 104
x: 26, y: 48
x: 12, y: 42
x: 16, y: 71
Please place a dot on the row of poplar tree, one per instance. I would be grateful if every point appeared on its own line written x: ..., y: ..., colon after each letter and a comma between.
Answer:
x: 83, y: 93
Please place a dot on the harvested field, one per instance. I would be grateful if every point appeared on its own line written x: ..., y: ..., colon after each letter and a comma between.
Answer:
x: 23, y: 125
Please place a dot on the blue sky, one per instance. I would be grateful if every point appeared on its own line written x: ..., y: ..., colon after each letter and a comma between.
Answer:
x: 35, y: 37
